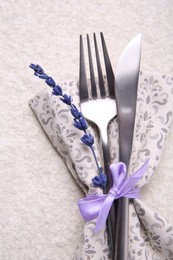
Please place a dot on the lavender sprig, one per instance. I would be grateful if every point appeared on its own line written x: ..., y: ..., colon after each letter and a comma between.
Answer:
x: 79, y: 121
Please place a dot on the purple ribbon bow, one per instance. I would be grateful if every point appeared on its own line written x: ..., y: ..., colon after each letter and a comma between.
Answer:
x: 98, y: 205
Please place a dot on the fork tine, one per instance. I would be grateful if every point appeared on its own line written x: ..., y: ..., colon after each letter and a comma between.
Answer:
x: 93, y: 83
x: 83, y: 89
x: 108, y: 66
x: 100, y: 74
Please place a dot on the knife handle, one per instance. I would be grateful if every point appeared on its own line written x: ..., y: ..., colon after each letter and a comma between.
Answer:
x: 122, y: 229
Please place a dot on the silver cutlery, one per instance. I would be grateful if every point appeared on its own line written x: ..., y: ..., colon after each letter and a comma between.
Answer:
x: 98, y: 105
x: 126, y: 85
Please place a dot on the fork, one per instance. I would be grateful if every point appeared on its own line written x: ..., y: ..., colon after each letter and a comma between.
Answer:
x: 99, y: 107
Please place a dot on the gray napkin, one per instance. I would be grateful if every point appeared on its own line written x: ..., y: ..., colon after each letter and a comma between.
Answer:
x: 150, y: 235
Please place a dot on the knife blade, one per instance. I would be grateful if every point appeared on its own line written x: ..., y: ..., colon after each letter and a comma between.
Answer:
x: 126, y: 85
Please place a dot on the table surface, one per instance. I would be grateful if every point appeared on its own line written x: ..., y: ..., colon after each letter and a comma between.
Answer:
x: 37, y: 218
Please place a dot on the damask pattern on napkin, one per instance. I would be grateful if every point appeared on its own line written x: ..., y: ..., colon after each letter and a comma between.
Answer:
x: 151, y: 236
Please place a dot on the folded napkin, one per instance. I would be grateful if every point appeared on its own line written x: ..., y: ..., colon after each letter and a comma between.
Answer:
x: 150, y: 235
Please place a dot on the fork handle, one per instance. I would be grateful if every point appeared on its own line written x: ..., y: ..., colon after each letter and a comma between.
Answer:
x: 106, y: 155
x: 111, y: 217
x: 106, y: 160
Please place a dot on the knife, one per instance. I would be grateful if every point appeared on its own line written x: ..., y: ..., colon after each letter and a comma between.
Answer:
x: 126, y: 85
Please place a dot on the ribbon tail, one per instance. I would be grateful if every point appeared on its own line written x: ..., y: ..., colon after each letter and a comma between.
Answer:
x: 133, y: 193
x: 103, y: 214
x: 131, y: 181
x: 89, y: 207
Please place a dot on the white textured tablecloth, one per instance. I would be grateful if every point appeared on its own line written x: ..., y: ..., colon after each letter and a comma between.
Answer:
x: 34, y: 221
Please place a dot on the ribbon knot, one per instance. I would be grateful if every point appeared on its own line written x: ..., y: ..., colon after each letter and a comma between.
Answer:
x: 98, y: 206
x: 113, y: 192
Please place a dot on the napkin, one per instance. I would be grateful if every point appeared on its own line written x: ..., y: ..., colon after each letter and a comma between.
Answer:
x: 150, y: 235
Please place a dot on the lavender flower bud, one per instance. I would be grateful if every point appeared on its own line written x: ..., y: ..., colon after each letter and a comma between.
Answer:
x: 43, y: 76
x: 100, y: 180
x: 75, y: 112
x: 67, y: 99
x: 57, y: 91
x: 88, y: 139
x: 50, y: 82
x: 38, y: 70
x: 80, y: 123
